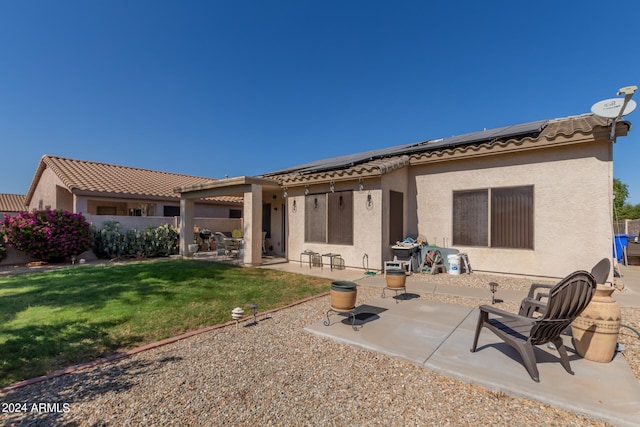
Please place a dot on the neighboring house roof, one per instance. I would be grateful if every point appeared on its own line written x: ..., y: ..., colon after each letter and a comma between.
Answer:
x: 379, y: 162
x: 12, y: 202
x: 102, y: 179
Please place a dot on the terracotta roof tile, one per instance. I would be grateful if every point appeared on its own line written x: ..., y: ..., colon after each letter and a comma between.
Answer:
x: 572, y: 125
x: 95, y: 177
x: 12, y: 202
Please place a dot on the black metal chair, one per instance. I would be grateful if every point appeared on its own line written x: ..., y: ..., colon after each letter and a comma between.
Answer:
x: 567, y: 300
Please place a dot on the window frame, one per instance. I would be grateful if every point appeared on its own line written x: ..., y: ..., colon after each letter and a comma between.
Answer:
x: 510, y: 207
x: 329, y: 218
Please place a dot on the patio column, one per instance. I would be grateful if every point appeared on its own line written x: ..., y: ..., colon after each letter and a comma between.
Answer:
x: 253, y: 225
x: 187, y: 221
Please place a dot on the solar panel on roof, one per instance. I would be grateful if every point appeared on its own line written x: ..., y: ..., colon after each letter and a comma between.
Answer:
x: 416, y: 147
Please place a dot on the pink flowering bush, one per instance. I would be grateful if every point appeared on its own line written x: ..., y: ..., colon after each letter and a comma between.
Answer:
x: 3, y: 245
x: 48, y: 235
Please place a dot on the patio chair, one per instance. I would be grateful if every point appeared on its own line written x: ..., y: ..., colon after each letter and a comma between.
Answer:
x: 533, y: 304
x: 567, y: 300
x: 222, y: 247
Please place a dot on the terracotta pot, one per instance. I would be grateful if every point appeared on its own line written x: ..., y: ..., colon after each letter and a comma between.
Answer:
x: 396, y: 278
x: 595, y: 331
x: 343, y: 295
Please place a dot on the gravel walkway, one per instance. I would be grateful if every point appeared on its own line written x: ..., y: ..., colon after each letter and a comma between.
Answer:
x: 275, y: 373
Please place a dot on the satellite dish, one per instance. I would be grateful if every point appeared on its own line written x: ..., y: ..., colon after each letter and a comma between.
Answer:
x: 610, y: 108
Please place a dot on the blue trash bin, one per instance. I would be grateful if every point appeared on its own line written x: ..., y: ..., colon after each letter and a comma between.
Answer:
x: 621, y: 241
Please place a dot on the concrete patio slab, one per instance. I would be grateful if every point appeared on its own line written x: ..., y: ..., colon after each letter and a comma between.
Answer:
x: 402, y: 330
x: 607, y: 391
x: 438, y: 337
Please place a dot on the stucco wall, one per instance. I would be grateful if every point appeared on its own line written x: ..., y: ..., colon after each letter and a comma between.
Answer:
x: 46, y: 192
x: 90, y: 204
x: 225, y: 225
x: 367, y: 237
x: 572, y: 188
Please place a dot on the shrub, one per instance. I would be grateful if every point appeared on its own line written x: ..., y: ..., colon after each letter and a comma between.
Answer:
x: 109, y: 242
x: 3, y: 245
x: 48, y: 235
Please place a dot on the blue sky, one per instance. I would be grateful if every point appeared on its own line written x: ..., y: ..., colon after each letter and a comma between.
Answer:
x: 243, y: 87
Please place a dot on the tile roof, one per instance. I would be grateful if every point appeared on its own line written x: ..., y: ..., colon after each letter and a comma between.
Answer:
x: 12, y: 202
x: 379, y: 162
x: 81, y: 176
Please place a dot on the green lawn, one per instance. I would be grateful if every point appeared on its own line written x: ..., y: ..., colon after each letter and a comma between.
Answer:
x: 53, y: 319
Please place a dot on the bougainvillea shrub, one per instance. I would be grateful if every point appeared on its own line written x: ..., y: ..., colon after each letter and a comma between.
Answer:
x: 48, y: 235
x: 3, y: 245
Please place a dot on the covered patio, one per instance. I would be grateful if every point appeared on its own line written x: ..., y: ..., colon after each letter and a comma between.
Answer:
x: 252, y: 190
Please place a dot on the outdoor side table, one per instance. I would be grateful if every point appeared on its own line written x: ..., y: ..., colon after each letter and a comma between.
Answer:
x: 331, y: 258
x: 310, y: 254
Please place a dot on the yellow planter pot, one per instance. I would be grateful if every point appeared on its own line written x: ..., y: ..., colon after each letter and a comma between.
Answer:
x: 595, y: 331
x: 396, y: 278
x: 343, y: 295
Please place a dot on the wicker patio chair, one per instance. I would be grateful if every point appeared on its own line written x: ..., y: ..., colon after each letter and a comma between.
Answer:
x: 567, y: 300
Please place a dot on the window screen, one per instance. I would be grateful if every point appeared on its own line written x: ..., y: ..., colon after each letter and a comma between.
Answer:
x: 512, y: 217
x: 315, y: 218
x: 470, y: 218
x: 340, y: 218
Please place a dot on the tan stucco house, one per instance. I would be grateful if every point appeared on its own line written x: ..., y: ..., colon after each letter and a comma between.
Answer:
x: 95, y: 188
x: 532, y: 199
x: 136, y: 198
x: 11, y: 204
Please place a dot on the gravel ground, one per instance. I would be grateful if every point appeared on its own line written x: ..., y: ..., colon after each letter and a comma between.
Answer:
x: 275, y: 373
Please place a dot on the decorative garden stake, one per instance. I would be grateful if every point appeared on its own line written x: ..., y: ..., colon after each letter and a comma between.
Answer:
x: 493, y: 287
x: 254, y: 309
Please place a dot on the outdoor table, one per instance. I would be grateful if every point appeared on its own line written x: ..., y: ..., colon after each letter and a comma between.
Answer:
x: 331, y: 257
x: 235, y: 243
x: 310, y: 254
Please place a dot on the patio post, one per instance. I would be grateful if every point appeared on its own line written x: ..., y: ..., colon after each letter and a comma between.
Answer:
x: 187, y: 221
x: 252, y: 227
